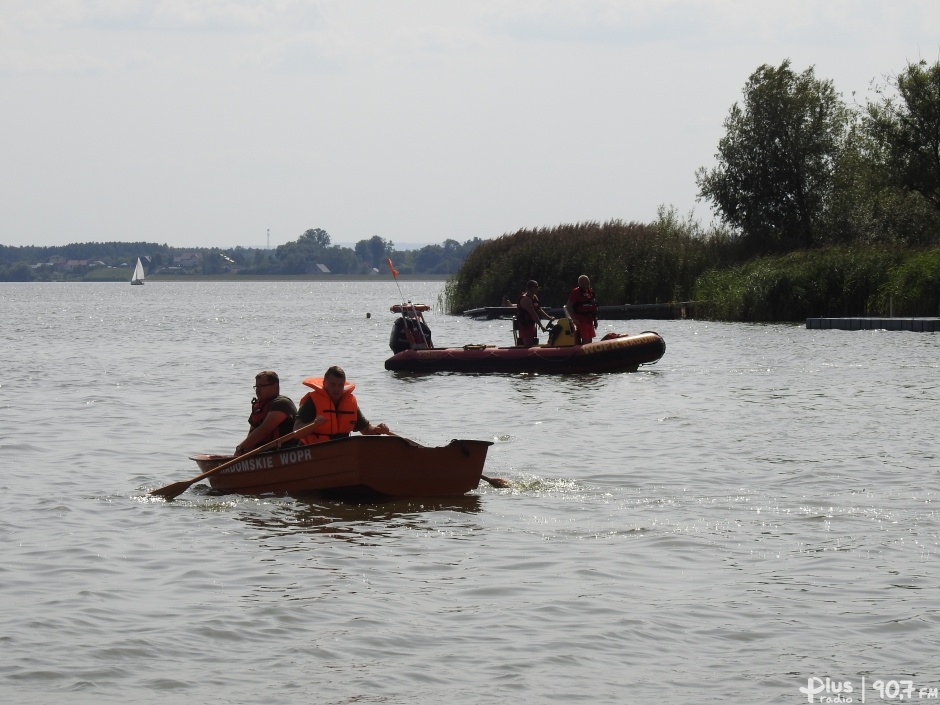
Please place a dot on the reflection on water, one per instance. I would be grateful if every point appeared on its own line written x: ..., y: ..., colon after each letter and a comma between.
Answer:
x: 350, y: 518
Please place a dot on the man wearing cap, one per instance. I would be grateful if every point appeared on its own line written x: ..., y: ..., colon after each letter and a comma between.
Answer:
x: 272, y: 415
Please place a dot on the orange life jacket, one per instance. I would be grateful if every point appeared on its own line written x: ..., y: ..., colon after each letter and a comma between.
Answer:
x: 340, y: 418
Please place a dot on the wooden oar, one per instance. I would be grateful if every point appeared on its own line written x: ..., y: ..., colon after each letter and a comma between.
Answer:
x: 493, y: 481
x: 178, y: 488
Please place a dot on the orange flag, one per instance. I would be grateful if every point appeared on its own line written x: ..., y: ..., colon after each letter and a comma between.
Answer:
x: 394, y: 271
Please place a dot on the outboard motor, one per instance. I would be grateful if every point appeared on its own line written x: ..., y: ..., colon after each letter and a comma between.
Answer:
x: 560, y: 335
x: 410, y: 332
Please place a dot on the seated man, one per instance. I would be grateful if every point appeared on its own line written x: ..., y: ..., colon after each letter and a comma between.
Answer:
x: 333, y: 408
x: 406, y: 334
x: 272, y: 415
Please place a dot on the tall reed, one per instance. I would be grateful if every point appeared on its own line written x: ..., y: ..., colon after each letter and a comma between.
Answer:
x: 627, y: 263
x: 673, y: 260
x: 853, y: 280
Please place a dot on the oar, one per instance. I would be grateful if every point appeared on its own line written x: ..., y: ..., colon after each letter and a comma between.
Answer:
x: 178, y: 488
x: 494, y: 481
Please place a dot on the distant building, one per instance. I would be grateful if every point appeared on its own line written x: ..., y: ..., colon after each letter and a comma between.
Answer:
x: 321, y: 269
x: 188, y: 261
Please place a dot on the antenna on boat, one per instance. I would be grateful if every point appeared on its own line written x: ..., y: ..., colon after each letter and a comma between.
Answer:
x: 395, y: 277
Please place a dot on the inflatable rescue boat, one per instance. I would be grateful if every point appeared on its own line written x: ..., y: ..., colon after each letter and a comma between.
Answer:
x: 613, y: 353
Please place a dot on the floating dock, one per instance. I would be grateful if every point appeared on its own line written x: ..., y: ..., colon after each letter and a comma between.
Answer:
x: 917, y: 325
x: 681, y: 309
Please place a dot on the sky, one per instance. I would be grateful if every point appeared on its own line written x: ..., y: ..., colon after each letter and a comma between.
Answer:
x: 224, y: 123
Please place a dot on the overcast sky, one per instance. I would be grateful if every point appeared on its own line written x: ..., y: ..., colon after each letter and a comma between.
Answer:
x: 215, y: 122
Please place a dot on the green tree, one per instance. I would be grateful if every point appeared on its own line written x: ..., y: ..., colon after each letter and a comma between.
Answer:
x: 907, y: 127
x: 317, y: 237
x: 776, y: 160
x: 868, y: 205
x: 300, y: 256
x: 372, y: 252
x: 340, y: 260
x: 18, y: 272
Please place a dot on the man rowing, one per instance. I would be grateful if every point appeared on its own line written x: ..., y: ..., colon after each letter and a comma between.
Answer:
x: 272, y: 415
x: 333, y: 408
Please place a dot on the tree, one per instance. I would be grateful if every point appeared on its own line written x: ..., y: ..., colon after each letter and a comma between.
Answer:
x: 373, y: 251
x: 300, y: 256
x: 776, y: 160
x: 317, y: 237
x: 18, y: 272
x: 340, y: 260
x: 908, y: 130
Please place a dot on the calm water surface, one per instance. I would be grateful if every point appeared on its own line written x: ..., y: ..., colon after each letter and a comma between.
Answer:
x: 757, y: 510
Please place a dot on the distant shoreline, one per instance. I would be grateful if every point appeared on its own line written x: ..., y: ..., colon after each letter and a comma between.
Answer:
x: 184, y: 278
x: 298, y: 277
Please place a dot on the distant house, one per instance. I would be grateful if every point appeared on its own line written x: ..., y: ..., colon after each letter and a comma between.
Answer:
x: 321, y: 269
x: 75, y: 264
x: 188, y: 261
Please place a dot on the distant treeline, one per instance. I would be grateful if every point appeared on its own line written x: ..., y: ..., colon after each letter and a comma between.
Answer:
x: 311, y: 253
x: 826, y: 208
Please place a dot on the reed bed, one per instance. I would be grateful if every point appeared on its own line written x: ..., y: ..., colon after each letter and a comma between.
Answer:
x: 628, y: 263
x: 673, y: 260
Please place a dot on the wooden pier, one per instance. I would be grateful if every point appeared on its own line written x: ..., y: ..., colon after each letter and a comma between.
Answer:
x: 917, y: 325
x: 681, y: 309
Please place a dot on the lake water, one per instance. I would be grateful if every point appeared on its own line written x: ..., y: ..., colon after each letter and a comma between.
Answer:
x: 754, y: 514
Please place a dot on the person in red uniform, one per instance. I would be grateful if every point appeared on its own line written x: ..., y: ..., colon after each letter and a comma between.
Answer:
x: 582, y: 310
x: 529, y: 314
x: 333, y: 408
x: 272, y: 415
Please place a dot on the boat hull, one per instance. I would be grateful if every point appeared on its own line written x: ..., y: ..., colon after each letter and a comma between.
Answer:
x: 622, y: 354
x: 387, y: 465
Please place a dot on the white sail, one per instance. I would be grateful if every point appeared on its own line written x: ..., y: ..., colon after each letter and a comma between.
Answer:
x: 138, y: 277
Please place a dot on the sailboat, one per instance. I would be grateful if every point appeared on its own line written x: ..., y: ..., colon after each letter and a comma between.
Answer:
x: 138, y: 277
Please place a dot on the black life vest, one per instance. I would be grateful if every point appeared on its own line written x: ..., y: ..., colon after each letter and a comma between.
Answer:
x: 522, y: 316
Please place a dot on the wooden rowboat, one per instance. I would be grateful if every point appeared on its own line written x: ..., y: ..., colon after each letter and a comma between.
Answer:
x: 388, y: 465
